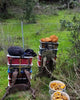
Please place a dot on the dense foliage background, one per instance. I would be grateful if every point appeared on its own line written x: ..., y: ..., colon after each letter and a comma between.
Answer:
x: 42, y: 19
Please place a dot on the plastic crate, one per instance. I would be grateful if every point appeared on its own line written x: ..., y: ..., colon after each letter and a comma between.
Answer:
x: 54, y: 51
x: 18, y: 81
x: 21, y: 78
x: 17, y: 60
x: 20, y: 69
x: 39, y: 63
x: 49, y: 45
x: 40, y: 57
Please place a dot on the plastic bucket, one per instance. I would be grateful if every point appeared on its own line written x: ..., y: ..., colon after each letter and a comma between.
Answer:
x: 62, y: 93
x: 51, y: 90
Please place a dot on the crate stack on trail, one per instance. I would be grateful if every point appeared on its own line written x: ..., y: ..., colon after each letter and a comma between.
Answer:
x: 20, y: 64
x: 49, y: 43
x: 19, y: 70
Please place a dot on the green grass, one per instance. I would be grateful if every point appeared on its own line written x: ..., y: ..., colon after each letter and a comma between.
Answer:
x: 45, y: 26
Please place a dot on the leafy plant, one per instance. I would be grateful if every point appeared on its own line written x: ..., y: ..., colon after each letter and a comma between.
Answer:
x: 29, y: 12
x: 66, y: 24
x: 74, y: 28
x: 63, y: 24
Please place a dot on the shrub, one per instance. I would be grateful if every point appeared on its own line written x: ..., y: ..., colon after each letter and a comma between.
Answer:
x: 70, y: 67
x: 74, y: 28
x: 66, y: 24
x: 29, y: 11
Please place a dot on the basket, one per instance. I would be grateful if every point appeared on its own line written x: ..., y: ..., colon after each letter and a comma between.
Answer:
x: 51, y: 91
x: 49, y: 45
x: 63, y: 93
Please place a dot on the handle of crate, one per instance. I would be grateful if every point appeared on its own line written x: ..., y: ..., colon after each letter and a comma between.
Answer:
x: 29, y: 61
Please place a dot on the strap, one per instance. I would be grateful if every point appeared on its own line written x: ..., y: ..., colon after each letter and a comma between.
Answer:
x: 33, y: 93
x: 14, y: 77
x: 11, y: 62
x: 19, y: 65
x: 44, y: 61
x: 27, y: 74
x: 29, y: 61
x: 46, y: 45
x: 54, y: 61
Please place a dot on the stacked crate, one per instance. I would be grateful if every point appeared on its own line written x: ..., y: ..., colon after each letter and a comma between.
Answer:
x: 52, y: 46
x: 18, y: 63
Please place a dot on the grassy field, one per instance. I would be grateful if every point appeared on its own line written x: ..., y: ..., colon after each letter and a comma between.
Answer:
x: 11, y: 35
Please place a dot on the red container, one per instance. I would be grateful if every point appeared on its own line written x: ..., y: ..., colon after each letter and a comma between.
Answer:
x: 39, y: 63
x: 9, y: 82
x: 39, y: 57
x: 9, y: 76
x: 13, y: 60
x: 55, y: 58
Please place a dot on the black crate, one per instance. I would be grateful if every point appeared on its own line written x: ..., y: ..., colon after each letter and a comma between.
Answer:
x: 41, y: 50
x: 49, y: 45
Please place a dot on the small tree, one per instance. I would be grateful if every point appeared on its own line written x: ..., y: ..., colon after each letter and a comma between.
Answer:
x: 69, y: 3
x: 29, y: 11
x: 4, y: 5
x: 3, y: 9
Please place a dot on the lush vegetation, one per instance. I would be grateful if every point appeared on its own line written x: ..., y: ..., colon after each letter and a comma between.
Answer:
x: 61, y: 24
x: 25, y: 9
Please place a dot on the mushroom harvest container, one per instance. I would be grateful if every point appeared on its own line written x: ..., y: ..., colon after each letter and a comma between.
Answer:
x: 41, y: 50
x: 17, y: 60
x: 60, y: 96
x: 49, y: 45
x: 56, y: 86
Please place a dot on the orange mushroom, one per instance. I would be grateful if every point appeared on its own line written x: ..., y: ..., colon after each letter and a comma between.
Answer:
x: 54, y: 38
x: 43, y: 40
x: 59, y: 96
x: 47, y: 39
x: 57, y: 86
